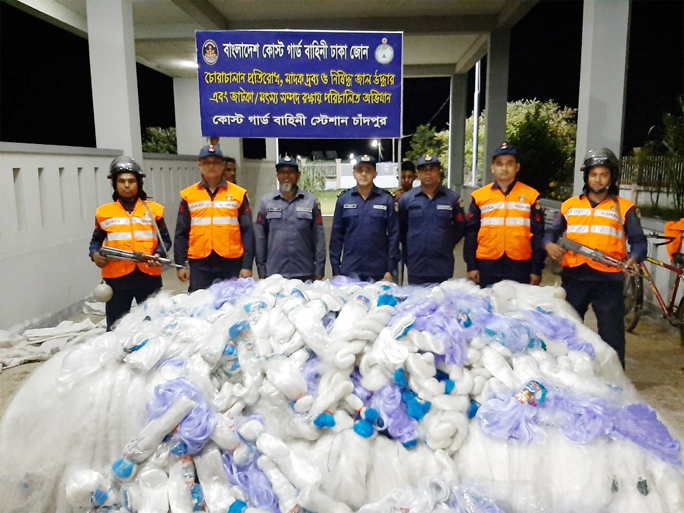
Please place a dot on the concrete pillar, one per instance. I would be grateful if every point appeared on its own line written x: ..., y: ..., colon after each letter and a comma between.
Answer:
x: 600, y: 118
x: 272, y: 149
x: 496, y: 96
x: 457, y: 118
x: 188, y: 127
x: 338, y: 173
x: 112, y: 72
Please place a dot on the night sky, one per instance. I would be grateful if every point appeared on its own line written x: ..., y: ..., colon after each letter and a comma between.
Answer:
x: 45, y: 90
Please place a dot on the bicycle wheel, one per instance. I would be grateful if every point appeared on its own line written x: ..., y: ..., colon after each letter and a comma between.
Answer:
x: 633, y: 294
x: 679, y: 314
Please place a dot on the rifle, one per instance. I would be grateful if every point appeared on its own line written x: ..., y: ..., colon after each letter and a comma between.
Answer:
x: 596, y: 255
x: 135, y: 256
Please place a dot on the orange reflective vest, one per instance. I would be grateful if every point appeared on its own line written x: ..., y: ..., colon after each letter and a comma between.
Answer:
x: 600, y: 227
x: 214, y: 224
x: 132, y: 232
x: 674, y: 229
x: 505, y: 222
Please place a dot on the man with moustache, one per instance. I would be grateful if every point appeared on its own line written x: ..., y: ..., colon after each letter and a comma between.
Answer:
x: 364, y: 242
x: 431, y: 222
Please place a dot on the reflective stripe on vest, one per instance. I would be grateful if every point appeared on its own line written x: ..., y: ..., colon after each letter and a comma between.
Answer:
x: 601, y: 227
x: 505, y: 222
x: 214, y: 224
x: 132, y: 232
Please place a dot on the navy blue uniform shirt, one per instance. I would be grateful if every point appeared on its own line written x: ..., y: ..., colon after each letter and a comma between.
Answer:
x: 182, y: 238
x: 638, y: 245
x: 430, y: 228
x: 504, y: 266
x: 364, y: 241
x: 289, y: 236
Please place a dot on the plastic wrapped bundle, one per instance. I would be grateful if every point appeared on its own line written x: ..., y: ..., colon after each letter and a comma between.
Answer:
x: 279, y: 396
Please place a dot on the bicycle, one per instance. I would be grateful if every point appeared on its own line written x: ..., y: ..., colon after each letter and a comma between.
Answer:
x: 633, y: 292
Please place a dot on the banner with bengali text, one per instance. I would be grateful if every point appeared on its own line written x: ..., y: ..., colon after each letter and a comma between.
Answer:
x: 300, y: 84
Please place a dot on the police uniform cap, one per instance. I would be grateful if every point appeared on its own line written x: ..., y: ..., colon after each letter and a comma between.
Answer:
x: 505, y: 149
x: 366, y: 159
x: 210, y: 151
x: 287, y: 162
x: 428, y: 159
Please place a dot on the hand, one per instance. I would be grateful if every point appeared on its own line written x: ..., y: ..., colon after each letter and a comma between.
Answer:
x: 100, y: 260
x: 473, y: 276
x: 154, y: 263
x: 554, y: 251
x: 632, y: 263
x: 319, y: 277
x: 183, y: 274
x: 245, y: 273
x: 535, y: 279
x: 398, y: 194
x: 388, y: 276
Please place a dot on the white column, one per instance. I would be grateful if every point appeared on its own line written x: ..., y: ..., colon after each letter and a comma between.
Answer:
x: 457, y: 118
x: 231, y: 147
x: 497, y: 96
x: 112, y: 71
x: 187, y: 108
x: 272, y: 150
x: 600, y: 118
x: 188, y: 122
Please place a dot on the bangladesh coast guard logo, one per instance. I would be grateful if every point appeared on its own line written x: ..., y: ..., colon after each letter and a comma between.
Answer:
x: 384, y: 53
x: 210, y: 52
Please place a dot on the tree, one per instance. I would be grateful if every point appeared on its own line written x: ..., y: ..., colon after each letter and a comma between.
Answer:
x: 424, y: 141
x: 671, y: 141
x: 159, y: 140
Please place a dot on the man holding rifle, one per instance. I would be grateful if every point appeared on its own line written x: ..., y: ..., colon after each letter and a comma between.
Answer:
x: 129, y: 223
x: 599, y: 219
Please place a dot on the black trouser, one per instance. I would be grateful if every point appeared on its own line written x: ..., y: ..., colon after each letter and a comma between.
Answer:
x: 204, y: 274
x: 605, y: 296
x: 426, y: 280
x: 488, y: 279
x: 138, y: 285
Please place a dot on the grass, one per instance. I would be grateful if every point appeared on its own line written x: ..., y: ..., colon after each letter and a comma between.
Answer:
x: 327, y: 199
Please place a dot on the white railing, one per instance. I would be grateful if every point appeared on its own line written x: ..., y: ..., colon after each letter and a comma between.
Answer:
x: 258, y: 177
x: 48, y: 198
x: 167, y: 175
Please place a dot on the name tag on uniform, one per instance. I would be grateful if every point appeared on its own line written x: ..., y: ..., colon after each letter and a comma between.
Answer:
x: 274, y: 209
x: 380, y: 207
x: 350, y: 205
x: 304, y: 209
x: 444, y: 207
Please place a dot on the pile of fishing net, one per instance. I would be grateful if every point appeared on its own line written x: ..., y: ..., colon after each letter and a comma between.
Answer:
x: 340, y: 396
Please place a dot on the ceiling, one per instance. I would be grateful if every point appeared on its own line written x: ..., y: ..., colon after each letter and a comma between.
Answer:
x: 441, y: 37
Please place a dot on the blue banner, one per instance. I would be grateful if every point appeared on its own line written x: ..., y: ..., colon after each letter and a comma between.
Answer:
x: 300, y: 84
